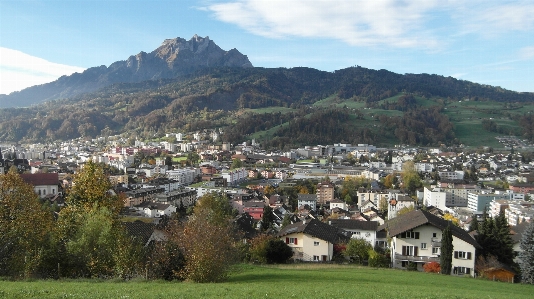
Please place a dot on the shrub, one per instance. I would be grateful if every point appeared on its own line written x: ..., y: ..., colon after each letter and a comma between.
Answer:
x: 432, y: 267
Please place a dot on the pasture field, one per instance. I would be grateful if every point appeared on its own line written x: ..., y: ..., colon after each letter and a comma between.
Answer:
x: 287, y: 281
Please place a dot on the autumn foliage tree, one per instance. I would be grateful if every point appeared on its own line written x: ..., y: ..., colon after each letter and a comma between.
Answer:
x: 25, y: 228
x: 207, y: 240
x: 90, y: 238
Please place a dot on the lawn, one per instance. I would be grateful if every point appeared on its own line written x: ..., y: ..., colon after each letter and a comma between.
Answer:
x: 289, y: 281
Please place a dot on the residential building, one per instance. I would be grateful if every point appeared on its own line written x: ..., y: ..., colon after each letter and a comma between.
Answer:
x: 325, y: 192
x: 359, y: 229
x: 416, y: 238
x: 312, y: 240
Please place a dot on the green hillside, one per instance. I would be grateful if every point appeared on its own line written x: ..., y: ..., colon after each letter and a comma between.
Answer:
x: 284, y: 108
x: 291, y: 281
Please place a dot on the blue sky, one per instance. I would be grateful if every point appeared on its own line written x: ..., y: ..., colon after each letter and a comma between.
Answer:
x: 484, y: 41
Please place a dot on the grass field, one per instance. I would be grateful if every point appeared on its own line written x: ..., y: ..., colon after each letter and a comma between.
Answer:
x: 288, y: 281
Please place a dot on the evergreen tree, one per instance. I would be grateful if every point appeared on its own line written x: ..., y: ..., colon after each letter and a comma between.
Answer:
x: 267, y: 218
x: 526, y: 256
x: 504, y: 251
x: 446, y: 251
x: 494, y: 238
x: 473, y: 226
x: 286, y: 221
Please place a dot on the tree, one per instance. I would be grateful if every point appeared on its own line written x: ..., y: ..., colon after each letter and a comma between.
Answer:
x: 526, y: 255
x: 269, y: 250
x: 236, y: 163
x: 207, y: 240
x: 473, y: 225
x: 269, y: 190
x: 92, y: 189
x: 451, y: 218
x: 494, y: 238
x: 358, y: 249
x: 90, y: 238
x: 446, y: 251
x: 267, y: 218
x: 405, y: 210
x: 286, y: 221
x: 25, y: 227
x: 410, y: 178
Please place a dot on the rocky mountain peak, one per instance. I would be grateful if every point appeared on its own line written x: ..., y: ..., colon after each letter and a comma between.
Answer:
x: 174, y: 57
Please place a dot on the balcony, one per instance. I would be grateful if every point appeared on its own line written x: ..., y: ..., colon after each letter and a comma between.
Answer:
x: 416, y: 259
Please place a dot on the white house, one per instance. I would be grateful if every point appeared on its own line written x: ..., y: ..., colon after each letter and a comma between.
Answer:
x: 360, y: 229
x: 416, y: 238
x: 152, y: 209
x: 336, y: 203
x: 397, y: 203
x: 312, y: 240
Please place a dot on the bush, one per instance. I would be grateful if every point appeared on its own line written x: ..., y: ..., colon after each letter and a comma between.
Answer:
x: 432, y: 267
x: 269, y: 250
x: 378, y: 260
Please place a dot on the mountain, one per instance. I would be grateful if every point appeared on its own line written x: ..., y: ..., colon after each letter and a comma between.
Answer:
x: 283, y: 108
x: 175, y: 57
x: 188, y: 86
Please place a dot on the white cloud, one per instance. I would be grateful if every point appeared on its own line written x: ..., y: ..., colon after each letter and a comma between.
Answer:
x: 497, y: 18
x: 526, y: 53
x: 359, y: 23
x: 19, y: 70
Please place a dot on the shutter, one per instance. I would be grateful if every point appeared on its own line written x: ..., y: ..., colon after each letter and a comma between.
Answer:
x: 287, y: 240
x: 417, y: 235
x: 456, y: 254
x: 295, y: 241
x: 415, y: 251
x: 469, y: 255
x: 403, y: 250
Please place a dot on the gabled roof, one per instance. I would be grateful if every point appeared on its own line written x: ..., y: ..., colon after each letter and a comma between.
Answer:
x: 316, y: 228
x: 354, y: 224
x: 307, y: 197
x: 40, y: 179
x: 417, y: 218
x: 140, y: 230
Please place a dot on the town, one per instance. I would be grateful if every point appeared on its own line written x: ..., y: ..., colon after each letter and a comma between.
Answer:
x: 399, y: 200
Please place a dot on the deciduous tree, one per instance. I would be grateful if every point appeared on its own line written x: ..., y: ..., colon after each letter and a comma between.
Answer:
x: 24, y: 227
x: 207, y: 240
x: 358, y: 249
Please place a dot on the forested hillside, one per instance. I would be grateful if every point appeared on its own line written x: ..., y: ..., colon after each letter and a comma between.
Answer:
x: 355, y: 105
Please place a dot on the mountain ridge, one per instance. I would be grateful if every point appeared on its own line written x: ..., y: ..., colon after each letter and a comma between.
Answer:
x: 174, y: 57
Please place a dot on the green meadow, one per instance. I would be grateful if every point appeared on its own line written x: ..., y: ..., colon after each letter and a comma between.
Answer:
x: 287, y: 281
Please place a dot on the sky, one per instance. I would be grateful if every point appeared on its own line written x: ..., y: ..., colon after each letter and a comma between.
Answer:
x: 484, y: 41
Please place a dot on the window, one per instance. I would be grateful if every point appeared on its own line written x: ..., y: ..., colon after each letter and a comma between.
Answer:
x: 461, y: 270
x: 315, y: 243
x: 410, y: 235
x: 423, y: 245
x: 409, y: 250
x: 436, y: 250
x: 434, y: 235
x: 291, y: 241
x: 316, y: 258
x: 381, y: 244
x: 462, y: 255
x: 357, y: 233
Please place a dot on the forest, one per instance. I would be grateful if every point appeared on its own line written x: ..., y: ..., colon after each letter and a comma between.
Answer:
x: 227, y: 97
